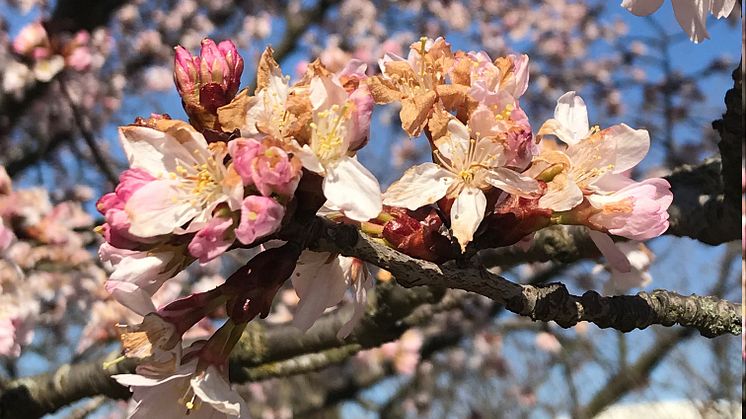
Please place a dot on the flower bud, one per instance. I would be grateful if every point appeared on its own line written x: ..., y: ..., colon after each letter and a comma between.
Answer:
x: 186, y: 75
x: 208, y: 81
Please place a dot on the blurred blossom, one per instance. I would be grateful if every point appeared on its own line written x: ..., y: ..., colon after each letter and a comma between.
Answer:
x: 158, y: 78
x: 547, y: 342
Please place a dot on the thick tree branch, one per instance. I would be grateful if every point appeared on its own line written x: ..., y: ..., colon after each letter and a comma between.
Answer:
x: 710, y: 316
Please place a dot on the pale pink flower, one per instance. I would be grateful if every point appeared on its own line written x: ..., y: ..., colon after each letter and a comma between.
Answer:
x: 212, y: 240
x: 15, y: 332
x: 6, y: 236
x: 348, y: 186
x: 146, y: 270
x: 191, y: 179
x: 636, y: 210
x: 111, y: 205
x: 467, y: 164
x: 260, y: 217
x: 590, y: 154
x: 691, y: 14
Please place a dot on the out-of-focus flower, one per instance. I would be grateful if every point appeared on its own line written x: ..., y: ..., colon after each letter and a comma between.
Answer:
x: 547, y: 342
x: 321, y: 279
x: 640, y: 258
x: 691, y: 15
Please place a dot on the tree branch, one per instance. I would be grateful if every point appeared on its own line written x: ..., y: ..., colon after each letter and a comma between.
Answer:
x: 709, y: 315
x: 629, y: 378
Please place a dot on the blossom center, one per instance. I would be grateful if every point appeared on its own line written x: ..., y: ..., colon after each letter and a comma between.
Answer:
x: 329, y: 132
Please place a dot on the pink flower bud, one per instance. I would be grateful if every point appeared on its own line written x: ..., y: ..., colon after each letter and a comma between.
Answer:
x: 212, y: 240
x: 221, y: 64
x: 243, y: 151
x: 260, y: 217
x: 116, y: 229
x: 638, y: 211
x: 186, y: 75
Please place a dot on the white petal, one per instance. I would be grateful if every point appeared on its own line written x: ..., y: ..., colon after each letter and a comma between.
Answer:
x: 642, y: 7
x: 213, y: 389
x: 562, y: 199
x: 325, y: 92
x: 692, y: 16
x: 615, y: 258
x: 512, y: 182
x: 632, y: 146
x: 722, y: 8
x: 159, y: 152
x: 419, y: 186
x: 459, y: 134
x: 309, y: 160
x: 572, y: 114
x: 349, y: 186
x: 159, y: 207
x: 360, y: 288
x: 467, y: 213
x: 319, y: 283
x: 131, y: 296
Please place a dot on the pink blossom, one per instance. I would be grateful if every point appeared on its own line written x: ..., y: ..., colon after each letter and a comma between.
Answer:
x: 31, y: 37
x: 547, y: 342
x: 269, y: 168
x: 260, y: 217
x: 79, y: 59
x: 111, y: 205
x: 638, y: 211
x: 14, y: 332
x: 212, y: 240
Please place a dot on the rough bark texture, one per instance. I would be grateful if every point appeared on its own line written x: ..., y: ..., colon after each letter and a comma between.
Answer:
x: 710, y: 316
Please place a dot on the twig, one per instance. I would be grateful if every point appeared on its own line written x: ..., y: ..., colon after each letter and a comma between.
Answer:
x: 85, y: 130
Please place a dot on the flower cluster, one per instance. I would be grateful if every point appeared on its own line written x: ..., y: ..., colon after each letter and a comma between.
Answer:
x: 247, y: 165
x: 47, y: 57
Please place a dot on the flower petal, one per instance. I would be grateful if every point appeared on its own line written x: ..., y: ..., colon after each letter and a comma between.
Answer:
x: 573, y: 116
x: 632, y: 146
x: 642, y: 7
x: 419, y: 186
x: 512, y: 182
x: 319, y: 283
x: 692, y: 16
x: 614, y: 257
x: 212, y: 388
x: 466, y: 214
x: 563, y: 194
x: 352, y: 189
x: 159, y: 207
